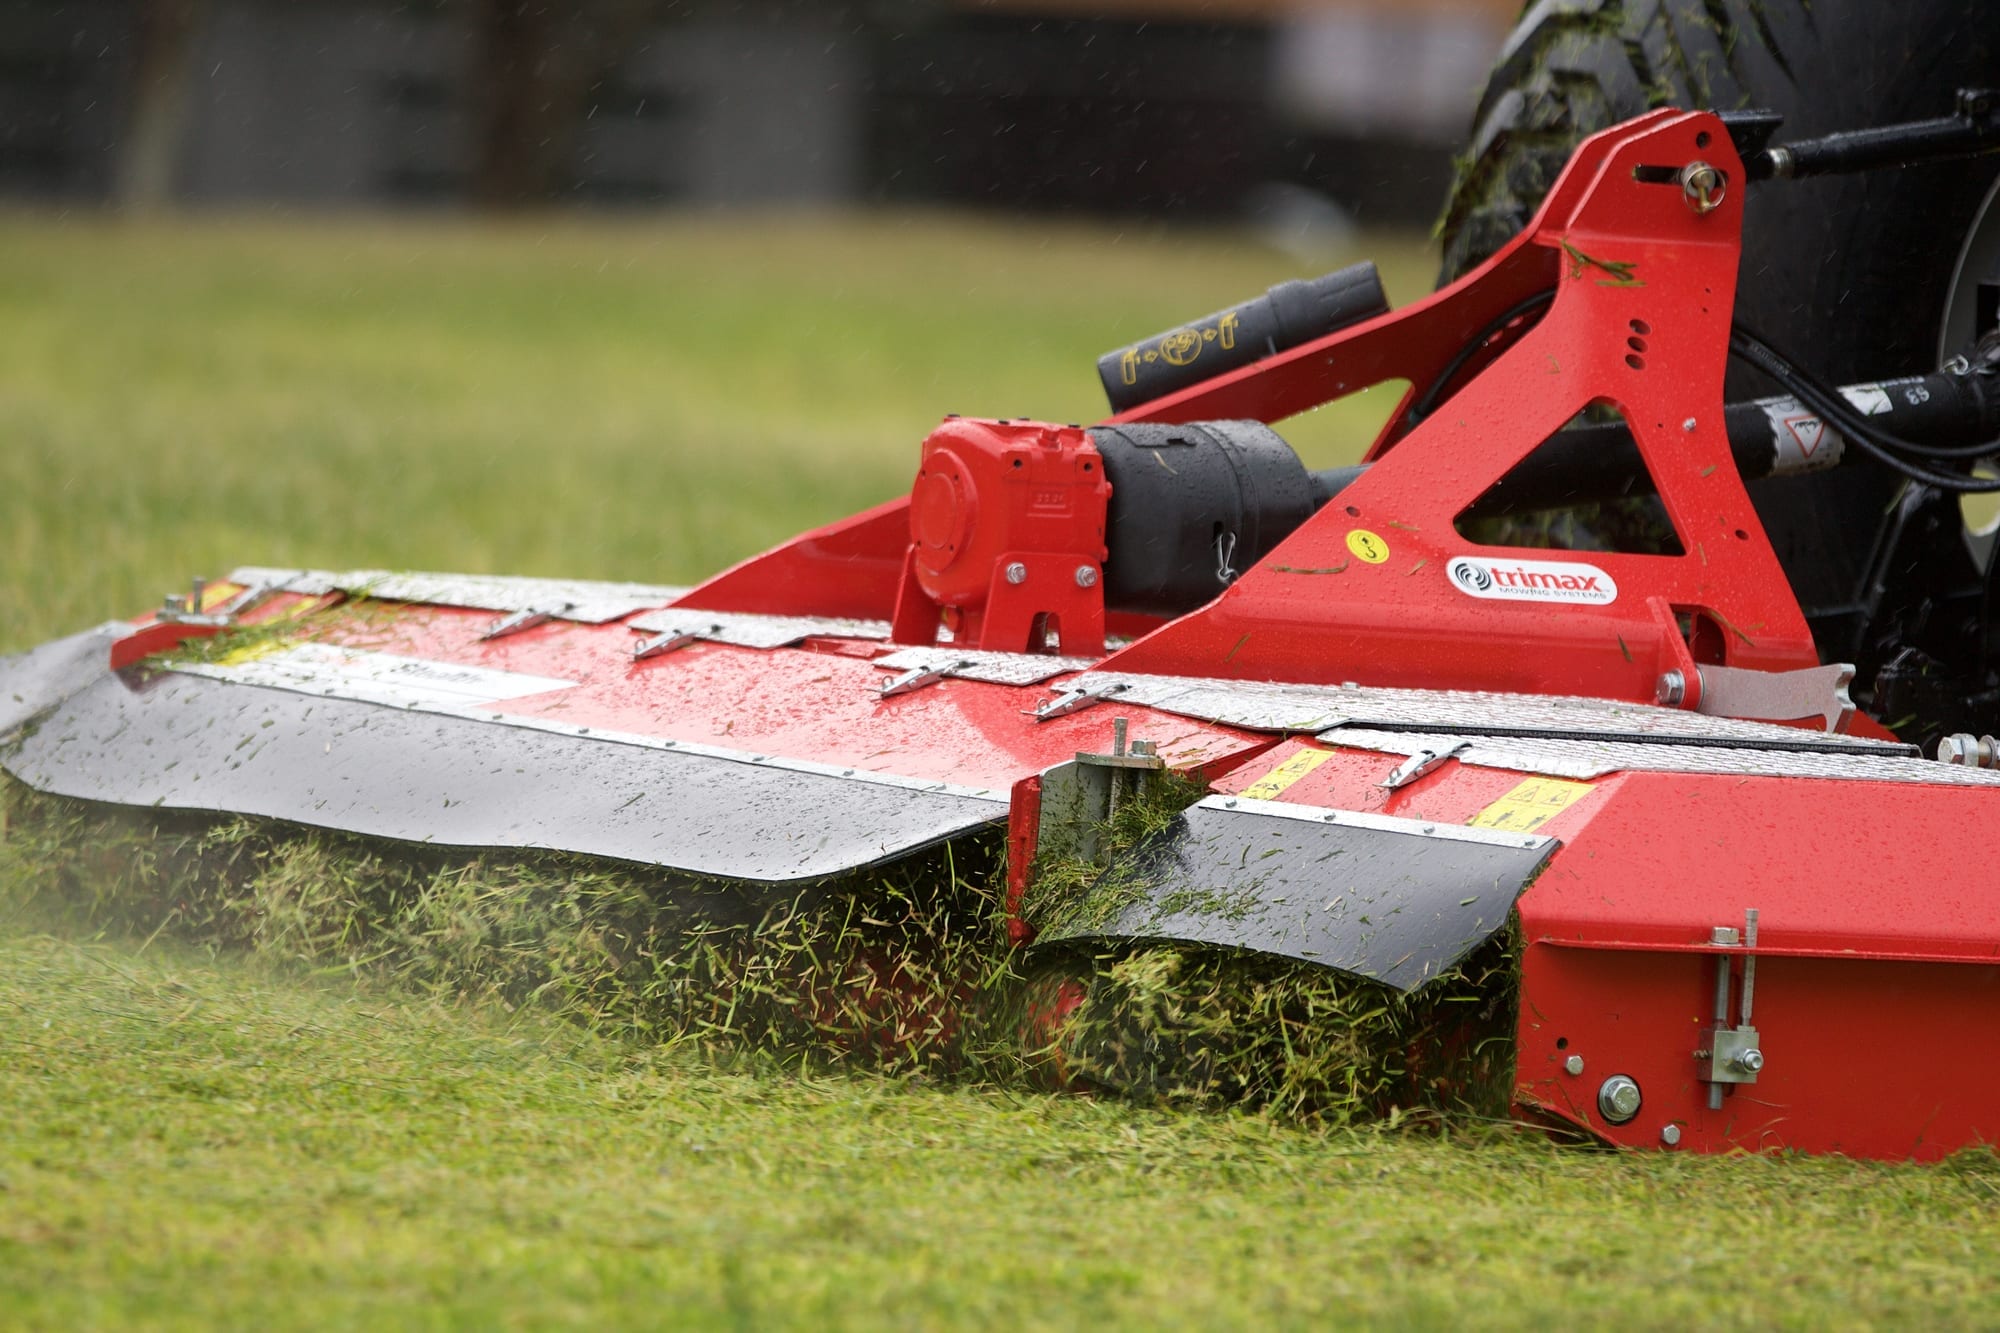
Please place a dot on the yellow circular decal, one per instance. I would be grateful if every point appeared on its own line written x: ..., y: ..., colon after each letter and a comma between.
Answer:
x: 1181, y: 346
x: 1367, y: 546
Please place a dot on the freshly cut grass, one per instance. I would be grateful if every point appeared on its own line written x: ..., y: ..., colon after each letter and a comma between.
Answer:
x: 194, y: 1142
x: 898, y: 970
x: 1200, y: 1027
x: 901, y: 970
x: 1194, y: 1026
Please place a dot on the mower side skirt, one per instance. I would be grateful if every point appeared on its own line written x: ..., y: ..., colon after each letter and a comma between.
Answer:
x: 38, y: 680
x: 1390, y: 899
x: 184, y: 742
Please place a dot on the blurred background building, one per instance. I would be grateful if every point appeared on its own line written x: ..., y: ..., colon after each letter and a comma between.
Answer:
x: 1316, y: 110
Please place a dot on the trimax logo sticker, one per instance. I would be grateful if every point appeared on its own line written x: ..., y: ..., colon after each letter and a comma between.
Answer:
x: 1532, y: 581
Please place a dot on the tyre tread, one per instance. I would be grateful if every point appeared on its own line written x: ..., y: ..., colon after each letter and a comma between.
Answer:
x: 1571, y: 67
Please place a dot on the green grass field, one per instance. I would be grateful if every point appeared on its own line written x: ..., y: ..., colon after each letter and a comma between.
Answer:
x: 193, y: 1140
x: 643, y: 401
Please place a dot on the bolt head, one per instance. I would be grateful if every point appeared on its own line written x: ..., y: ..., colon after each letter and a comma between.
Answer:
x: 1670, y: 689
x: 1750, y: 1060
x: 1016, y: 572
x: 1086, y: 576
x: 1573, y: 1065
x: 1618, y: 1098
x: 1670, y: 1135
x: 1688, y: 425
x: 1962, y: 748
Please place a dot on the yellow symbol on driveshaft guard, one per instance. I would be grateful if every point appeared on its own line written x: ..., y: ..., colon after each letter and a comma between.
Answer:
x: 1367, y: 546
x: 1179, y: 347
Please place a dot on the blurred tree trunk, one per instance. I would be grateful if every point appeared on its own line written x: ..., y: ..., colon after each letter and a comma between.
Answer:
x: 148, y: 159
x: 535, y: 64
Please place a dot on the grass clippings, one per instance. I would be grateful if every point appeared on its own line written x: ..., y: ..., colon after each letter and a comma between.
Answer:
x: 895, y: 970
x: 1194, y: 1025
x: 196, y: 1142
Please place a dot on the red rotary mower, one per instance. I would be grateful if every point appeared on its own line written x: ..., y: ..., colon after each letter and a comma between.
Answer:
x: 1748, y: 913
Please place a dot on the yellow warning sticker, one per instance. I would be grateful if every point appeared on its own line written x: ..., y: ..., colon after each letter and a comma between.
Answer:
x: 1531, y: 805
x: 1284, y: 775
x: 253, y: 651
x: 1367, y: 546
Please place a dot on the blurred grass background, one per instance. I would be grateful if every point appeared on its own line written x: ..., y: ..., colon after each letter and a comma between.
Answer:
x: 195, y: 1142
x: 647, y: 401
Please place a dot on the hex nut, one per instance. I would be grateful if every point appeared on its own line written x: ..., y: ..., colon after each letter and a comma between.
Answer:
x: 1956, y: 749
x: 1618, y: 1098
x: 1969, y: 750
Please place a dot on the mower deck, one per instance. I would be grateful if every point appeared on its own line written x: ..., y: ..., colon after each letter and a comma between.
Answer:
x: 1746, y: 918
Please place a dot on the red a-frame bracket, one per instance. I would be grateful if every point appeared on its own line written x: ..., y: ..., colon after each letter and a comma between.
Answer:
x: 1379, y: 587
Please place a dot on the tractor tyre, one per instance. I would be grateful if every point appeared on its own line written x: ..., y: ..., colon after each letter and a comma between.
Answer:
x: 1853, y: 277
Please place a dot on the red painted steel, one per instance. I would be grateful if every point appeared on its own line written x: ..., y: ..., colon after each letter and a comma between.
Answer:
x: 156, y: 636
x: 848, y: 568
x: 1877, y: 997
x: 1380, y: 587
x: 1024, y: 820
x: 1006, y: 539
x: 1352, y: 780
x: 1878, y: 983
x: 816, y: 702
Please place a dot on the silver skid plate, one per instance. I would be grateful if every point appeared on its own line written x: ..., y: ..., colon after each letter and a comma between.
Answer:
x: 181, y: 741
x: 1393, y: 900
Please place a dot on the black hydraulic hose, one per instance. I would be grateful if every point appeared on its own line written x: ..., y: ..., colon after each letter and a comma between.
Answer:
x: 1427, y: 404
x: 1838, y: 412
x: 1859, y: 424
x: 1972, y: 130
x: 1595, y: 461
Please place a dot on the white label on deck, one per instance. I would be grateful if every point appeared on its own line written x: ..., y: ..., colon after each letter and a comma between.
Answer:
x: 378, y: 678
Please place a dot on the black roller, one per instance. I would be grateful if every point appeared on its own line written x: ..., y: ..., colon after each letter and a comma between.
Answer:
x: 1193, y: 506
x: 1285, y: 316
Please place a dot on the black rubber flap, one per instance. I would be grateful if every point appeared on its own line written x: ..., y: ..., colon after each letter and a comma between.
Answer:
x: 1389, y: 899
x: 188, y: 743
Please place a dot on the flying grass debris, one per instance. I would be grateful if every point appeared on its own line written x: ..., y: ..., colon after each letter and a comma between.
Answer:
x: 907, y: 973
